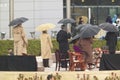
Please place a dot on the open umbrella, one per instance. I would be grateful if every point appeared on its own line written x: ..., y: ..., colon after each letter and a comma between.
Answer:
x: 89, y: 31
x: 78, y: 27
x: 18, y: 21
x: 66, y: 20
x: 85, y: 31
x: 108, y: 27
x: 45, y: 26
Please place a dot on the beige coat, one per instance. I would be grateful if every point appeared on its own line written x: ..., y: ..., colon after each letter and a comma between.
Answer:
x: 46, y: 45
x: 86, y: 45
x: 20, y: 40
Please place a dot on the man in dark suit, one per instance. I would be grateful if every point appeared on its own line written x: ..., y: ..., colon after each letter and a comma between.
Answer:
x: 62, y: 39
x: 111, y: 41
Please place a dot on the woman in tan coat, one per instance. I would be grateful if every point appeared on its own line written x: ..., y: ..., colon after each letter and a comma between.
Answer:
x: 20, y: 40
x: 46, y: 46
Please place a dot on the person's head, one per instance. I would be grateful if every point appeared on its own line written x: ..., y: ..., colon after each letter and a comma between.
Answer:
x: 76, y: 41
x: 63, y: 27
x: 18, y: 25
x: 10, y: 50
x: 50, y: 77
x: 80, y: 18
x: 44, y: 32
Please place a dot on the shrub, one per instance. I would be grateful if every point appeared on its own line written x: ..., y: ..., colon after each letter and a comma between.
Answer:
x: 35, y: 49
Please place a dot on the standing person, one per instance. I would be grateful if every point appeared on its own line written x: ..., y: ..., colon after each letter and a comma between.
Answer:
x: 109, y: 19
x: 92, y: 20
x: 80, y: 21
x: 20, y: 40
x: 111, y: 41
x: 114, y: 19
x: 118, y: 25
x: 62, y: 39
x: 86, y: 45
x: 46, y: 46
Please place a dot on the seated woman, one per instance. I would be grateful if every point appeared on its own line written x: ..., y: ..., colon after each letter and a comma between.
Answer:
x: 78, y: 51
x: 77, y: 47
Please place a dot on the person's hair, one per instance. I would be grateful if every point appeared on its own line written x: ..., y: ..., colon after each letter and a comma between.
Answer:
x: 62, y: 26
x: 74, y: 41
x: 49, y: 76
x: 44, y: 31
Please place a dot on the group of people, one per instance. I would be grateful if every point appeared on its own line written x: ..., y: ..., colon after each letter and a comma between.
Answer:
x: 21, y: 43
x: 84, y: 45
x: 81, y: 45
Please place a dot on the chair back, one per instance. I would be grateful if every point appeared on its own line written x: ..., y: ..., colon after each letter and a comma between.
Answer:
x: 71, y: 57
x: 57, y: 55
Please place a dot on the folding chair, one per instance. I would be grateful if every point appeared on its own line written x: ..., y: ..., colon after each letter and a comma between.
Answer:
x: 76, y: 61
x: 59, y: 60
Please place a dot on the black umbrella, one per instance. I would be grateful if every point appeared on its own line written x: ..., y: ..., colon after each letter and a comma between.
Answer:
x: 108, y: 27
x: 18, y: 21
x: 89, y: 31
x: 66, y: 20
x: 86, y: 31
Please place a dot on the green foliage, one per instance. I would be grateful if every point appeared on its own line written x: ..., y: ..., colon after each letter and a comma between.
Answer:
x: 35, y: 49
x: 5, y: 45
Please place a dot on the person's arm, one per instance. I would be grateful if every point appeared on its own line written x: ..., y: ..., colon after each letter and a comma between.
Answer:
x: 50, y: 41
x: 69, y: 35
x: 24, y: 37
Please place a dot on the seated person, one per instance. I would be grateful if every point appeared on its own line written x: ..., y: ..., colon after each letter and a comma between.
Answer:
x: 81, y: 54
x: 76, y: 46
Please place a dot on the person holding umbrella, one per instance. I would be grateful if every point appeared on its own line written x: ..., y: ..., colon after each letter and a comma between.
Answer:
x: 46, y: 42
x: 85, y: 36
x: 111, y: 41
x: 46, y: 46
x: 20, y: 40
x: 19, y: 36
x: 111, y: 36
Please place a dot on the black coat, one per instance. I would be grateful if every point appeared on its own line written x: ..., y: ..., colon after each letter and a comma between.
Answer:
x: 62, y: 39
x: 111, y: 41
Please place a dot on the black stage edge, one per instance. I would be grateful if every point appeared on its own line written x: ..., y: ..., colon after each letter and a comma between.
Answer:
x: 110, y: 62
x: 18, y: 63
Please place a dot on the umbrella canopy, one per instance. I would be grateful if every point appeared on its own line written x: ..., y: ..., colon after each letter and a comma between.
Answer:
x: 108, y: 27
x: 45, y: 26
x: 66, y: 20
x: 89, y: 31
x: 18, y: 21
x: 78, y: 27
x: 85, y: 31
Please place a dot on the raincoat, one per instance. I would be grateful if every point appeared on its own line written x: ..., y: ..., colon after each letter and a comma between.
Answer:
x: 46, y: 45
x: 20, y: 40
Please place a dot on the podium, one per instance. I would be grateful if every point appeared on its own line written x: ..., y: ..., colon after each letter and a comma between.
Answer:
x: 18, y: 63
x: 110, y: 62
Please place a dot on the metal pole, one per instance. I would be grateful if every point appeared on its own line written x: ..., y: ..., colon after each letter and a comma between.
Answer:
x: 0, y: 19
x: 68, y: 8
x: 89, y: 15
x: 11, y: 16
